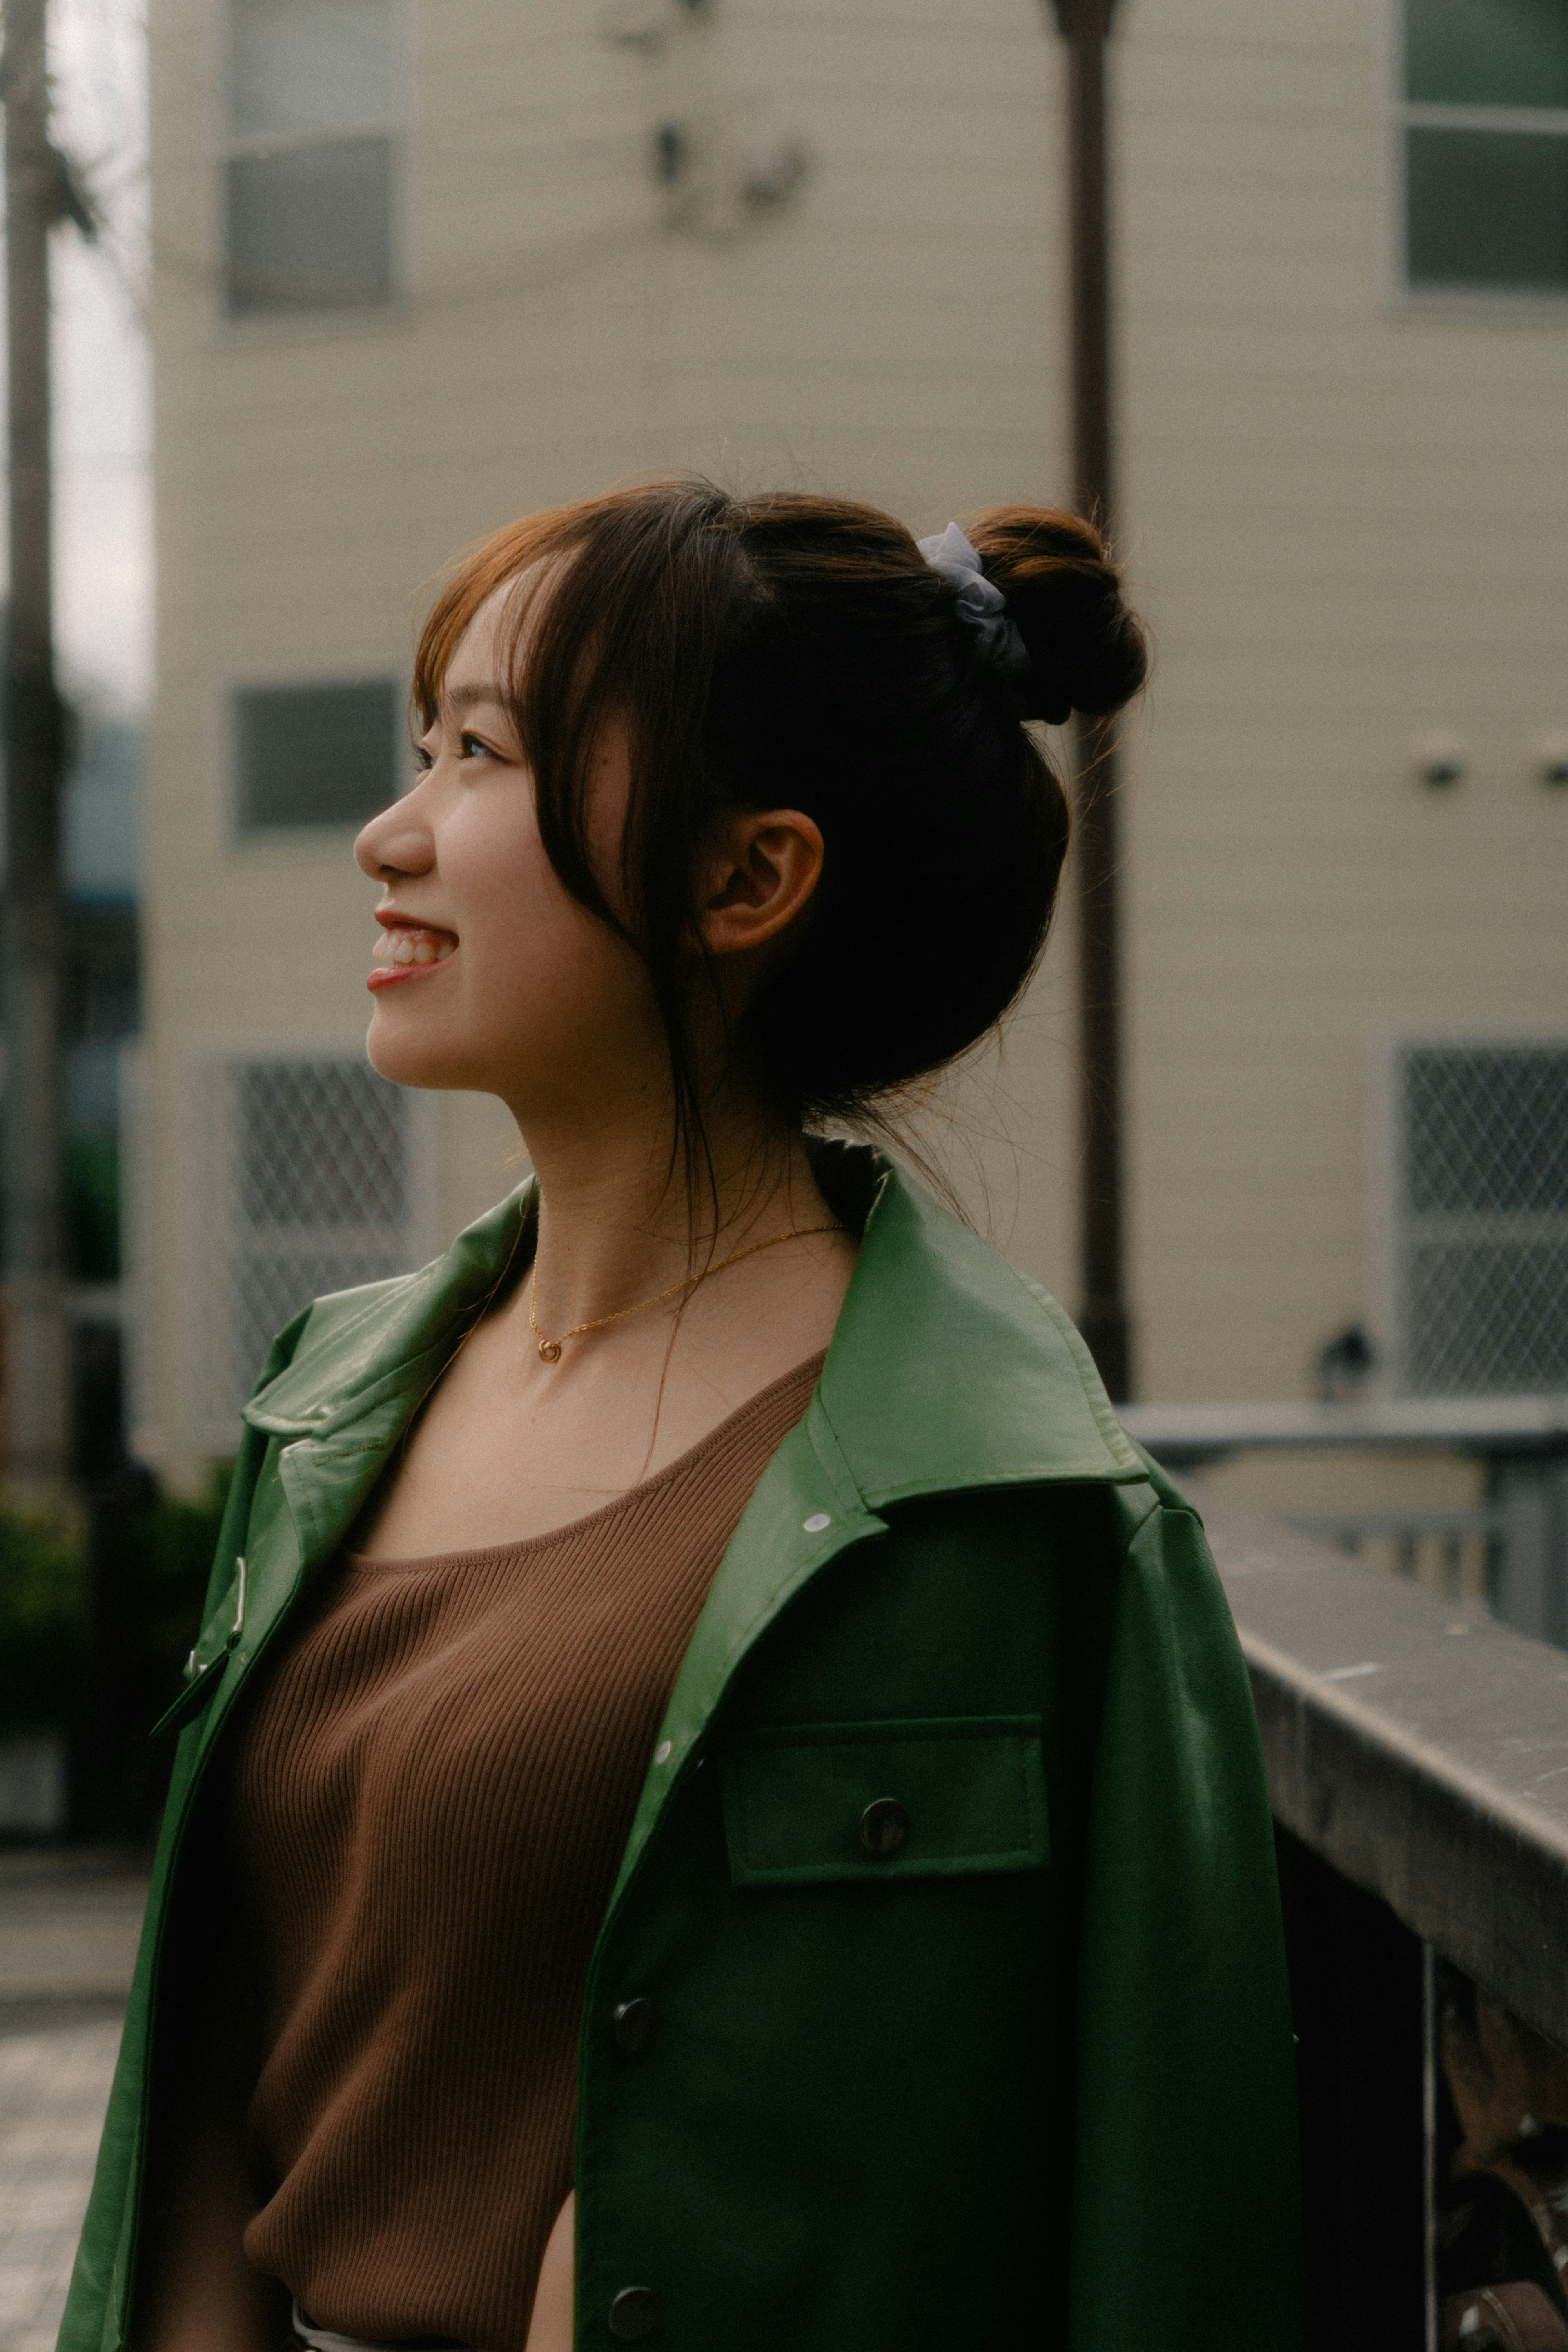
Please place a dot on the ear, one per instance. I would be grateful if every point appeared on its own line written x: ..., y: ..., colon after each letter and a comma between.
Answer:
x: 756, y: 875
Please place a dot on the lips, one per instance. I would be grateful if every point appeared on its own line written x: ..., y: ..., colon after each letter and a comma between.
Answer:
x: 408, y: 950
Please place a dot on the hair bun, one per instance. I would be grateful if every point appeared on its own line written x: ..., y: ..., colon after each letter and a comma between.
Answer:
x: 1088, y: 647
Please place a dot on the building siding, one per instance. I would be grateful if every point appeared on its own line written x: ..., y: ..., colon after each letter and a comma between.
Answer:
x: 1343, y: 513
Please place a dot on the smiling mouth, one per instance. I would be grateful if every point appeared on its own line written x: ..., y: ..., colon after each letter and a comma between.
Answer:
x: 409, y: 951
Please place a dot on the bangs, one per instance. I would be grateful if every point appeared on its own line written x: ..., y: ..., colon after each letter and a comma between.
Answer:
x: 505, y: 556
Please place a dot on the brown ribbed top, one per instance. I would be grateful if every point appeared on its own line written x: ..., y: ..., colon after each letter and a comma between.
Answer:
x: 431, y: 1799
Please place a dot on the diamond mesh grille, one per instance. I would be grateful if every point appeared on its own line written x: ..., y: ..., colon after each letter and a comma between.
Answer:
x: 317, y: 1144
x: 1483, y: 1242
x: 318, y: 1185
x: 1487, y: 1130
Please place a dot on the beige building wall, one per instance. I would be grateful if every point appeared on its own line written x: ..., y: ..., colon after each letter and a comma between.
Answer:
x: 1349, y: 518
x: 1343, y: 515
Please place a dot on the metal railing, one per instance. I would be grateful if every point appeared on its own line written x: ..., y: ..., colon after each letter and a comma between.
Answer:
x: 1417, y: 1762
x: 1512, y: 1545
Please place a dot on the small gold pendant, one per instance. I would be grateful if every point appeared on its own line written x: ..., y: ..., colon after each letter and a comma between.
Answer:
x: 549, y: 1350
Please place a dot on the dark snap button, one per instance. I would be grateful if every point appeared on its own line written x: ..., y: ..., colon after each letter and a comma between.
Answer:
x: 635, y: 2023
x: 884, y: 1825
x: 635, y: 2313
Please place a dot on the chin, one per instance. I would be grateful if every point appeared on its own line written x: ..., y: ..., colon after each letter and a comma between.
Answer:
x: 396, y: 1051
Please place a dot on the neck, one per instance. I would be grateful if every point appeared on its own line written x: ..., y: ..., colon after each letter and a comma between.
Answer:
x: 618, y: 1221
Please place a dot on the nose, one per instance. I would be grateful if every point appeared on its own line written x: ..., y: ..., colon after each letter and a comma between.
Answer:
x: 396, y: 842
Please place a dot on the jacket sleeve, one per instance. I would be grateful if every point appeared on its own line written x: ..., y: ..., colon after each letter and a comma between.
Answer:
x: 96, y: 2309
x: 1186, y: 2197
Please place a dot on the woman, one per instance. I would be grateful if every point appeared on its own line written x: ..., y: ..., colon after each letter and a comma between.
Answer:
x: 717, y: 1798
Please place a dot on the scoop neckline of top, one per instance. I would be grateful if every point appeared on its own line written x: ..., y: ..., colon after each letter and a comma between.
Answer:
x: 487, y: 1552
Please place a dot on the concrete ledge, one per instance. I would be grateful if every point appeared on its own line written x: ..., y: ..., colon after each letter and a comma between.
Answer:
x: 1498, y: 1428
x: 1419, y: 1747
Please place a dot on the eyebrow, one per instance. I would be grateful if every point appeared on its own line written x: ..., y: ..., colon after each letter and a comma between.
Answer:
x: 466, y: 698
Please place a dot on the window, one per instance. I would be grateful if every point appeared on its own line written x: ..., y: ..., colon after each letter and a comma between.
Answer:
x: 1485, y: 132
x: 314, y: 755
x: 314, y: 1178
x: 1480, y: 1219
x: 314, y: 115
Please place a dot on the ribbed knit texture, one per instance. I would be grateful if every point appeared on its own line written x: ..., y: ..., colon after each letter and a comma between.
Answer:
x: 430, y: 1803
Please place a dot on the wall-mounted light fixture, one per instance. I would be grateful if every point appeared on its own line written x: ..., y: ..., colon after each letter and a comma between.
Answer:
x: 720, y: 169
x: 773, y: 172
x: 649, y: 25
x: 671, y: 152
x: 1439, y: 761
x: 1551, y: 759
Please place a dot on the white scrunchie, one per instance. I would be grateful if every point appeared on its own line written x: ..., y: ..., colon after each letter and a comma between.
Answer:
x: 981, y: 606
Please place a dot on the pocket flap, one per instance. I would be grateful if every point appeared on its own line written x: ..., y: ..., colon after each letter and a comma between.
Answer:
x: 935, y: 1797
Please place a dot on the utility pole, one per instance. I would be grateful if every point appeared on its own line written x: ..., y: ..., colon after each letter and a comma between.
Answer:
x: 39, y: 190
x: 1084, y: 25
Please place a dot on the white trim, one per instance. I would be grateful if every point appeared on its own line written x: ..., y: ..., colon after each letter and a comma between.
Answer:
x: 1417, y: 114
x: 1381, y: 1315
x: 138, y: 1253
x: 334, y: 134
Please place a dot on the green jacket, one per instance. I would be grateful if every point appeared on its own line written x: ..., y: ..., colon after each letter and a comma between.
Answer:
x: 1018, y: 2071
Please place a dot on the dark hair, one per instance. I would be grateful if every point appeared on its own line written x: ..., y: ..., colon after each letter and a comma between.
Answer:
x: 792, y: 651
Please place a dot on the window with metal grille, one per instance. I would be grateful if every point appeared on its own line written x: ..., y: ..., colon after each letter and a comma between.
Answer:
x: 317, y: 1182
x: 1484, y: 145
x: 316, y: 754
x: 1481, y: 1225
x: 315, y: 114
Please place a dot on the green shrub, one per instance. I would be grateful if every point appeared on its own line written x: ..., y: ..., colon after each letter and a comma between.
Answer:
x: 90, y: 1180
x: 150, y: 1567
x: 42, y: 1618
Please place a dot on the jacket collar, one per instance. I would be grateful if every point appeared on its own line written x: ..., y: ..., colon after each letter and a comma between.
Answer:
x: 361, y: 1348
x: 947, y: 1368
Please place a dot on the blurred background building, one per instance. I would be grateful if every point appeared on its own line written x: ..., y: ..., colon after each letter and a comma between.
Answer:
x: 418, y: 268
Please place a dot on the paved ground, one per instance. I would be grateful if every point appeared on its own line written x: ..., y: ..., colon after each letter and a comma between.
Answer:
x: 68, y: 1936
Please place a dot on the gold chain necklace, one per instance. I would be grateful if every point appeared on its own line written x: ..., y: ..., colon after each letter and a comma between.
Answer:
x: 549, y: 1350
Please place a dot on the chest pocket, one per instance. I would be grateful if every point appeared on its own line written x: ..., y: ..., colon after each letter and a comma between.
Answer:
x: 938, y: 1797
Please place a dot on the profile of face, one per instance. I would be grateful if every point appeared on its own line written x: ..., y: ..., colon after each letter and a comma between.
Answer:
x: 488, y: 975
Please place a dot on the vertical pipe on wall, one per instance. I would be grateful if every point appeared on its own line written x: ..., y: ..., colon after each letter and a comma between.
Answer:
x: 1084, y: 25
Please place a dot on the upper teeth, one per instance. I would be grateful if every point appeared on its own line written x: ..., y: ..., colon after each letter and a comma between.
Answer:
x: 413, y: 947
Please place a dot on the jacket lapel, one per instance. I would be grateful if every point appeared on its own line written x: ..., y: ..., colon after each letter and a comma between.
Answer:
x: 341, y: 1407
x: 804, y: 1511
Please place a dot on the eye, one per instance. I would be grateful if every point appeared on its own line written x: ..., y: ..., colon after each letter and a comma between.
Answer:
x: 473, y: 747
x: 424, y: 760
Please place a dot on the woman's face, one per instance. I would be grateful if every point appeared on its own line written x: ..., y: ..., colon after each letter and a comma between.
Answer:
x: 488, y: 975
